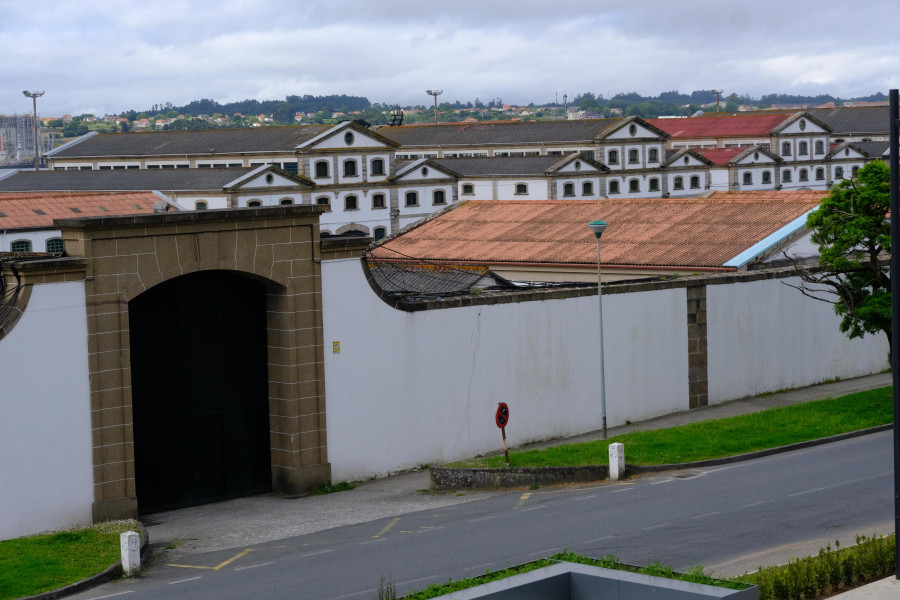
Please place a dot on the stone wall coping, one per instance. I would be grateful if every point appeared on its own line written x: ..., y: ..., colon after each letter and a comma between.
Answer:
x: 197, y: 216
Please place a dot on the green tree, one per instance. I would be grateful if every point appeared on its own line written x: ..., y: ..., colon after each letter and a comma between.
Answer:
x: 854, y: 237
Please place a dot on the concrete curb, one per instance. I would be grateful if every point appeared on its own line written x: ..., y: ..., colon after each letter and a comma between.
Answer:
x: 112, y: 572
x: 446, y: 478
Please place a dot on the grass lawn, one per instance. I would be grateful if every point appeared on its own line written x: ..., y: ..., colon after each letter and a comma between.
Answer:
x: 41, y: 563
x: 720, y: 437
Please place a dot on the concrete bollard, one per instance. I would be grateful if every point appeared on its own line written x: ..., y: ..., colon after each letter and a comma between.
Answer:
x: 131, y: 552
x: 616, y: 461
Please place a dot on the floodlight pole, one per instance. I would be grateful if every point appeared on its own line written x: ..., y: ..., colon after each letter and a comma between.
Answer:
x: 597, y: 227
x: 37, y: 153
x: 894, y: 162
x: 434, y: 93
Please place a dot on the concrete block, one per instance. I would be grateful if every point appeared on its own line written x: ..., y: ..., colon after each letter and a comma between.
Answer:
x: 616, y: 461
x: 130, y: 542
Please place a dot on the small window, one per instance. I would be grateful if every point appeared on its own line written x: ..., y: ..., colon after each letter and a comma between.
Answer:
x: 587, y: 188
x: 20, y: 246
x: 613, y: 187
x: 348, y: 138
x: 521, y: 189
x: 468, y: 188
x: 820, y: 174
x: 785, y: 148
x: 286, y: 201
x: 678, y: 183
x: 803, y: 149
x: 839, y: 172
x: 201, y: 205
x: 855, y: 171
x: 569, y: 189
x: 378, y: 167
x: 349, y: 168
x: 820, y: 147
x: 632, y: 130
x: 438, y: 197
x: 380, y: 232
x: 613, y: 157
x: 653, y: 155
x: 270, y: 179
x: 412, y: 199
x: 786, y: 176
x: 378, y: 201
x: 767, y: 177
x: 323, y: 200
x: 632, y: 157
x: 695, y: 182
x: 634, y: 186
x: 321, y: 169
x: 254, y: 203
x: 654, y: 184
x: 55, y: 246
x: 351, y: 203
x: 424, y: 171
x: 804, y: 175
x: 802, y: 125
x: 748, y: 178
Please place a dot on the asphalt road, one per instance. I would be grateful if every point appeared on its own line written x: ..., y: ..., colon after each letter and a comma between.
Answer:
x: 730, y: 518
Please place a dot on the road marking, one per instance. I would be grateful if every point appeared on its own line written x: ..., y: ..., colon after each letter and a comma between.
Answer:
x: 533, y: 508
x: 416, y: 580
x: 655, y: 526
x: 111, y: 595
x: 624, y: 489
x: 368, y: 591
x: 522, y: 500
x: 544, y: 552
x: 663, y: 481
x: 317, y: 553
x: 828, y: 487
x: 584, y: 498
x: 605, y: 537
x: 217, y: 567
x: 754, y: 504
x: 478, y: 567
x: 185, y: 580
x: 706, y: 515
x: 425, y: 528
x: 253, y: 566
x: 386, y: 528
x: 371, y: 542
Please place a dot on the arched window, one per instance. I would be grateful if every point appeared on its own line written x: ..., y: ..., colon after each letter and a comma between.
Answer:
x: 378, y: 167
x: 632, y: 156
x: 201, y: 205
x: 286, y: 201
x: 695, y: 182
x: 678, y: 183
x: 323, y: 200
x: 748, y: 178
x: 378, y: 201
x: 767, y: 177
x: 613, y: 157
x: 468, y: 188
x: 412, y: 199
x: 785, y: 148
x: 380, y: 232
x: 20, y: 246
x: 569, y: 189
x: 55, y: 246
x: 653, y: 155
x: 820, y: 174
x: 521, y: 189
x: 587, y: 188
x: 804, y: 175
x: 613, y: 187
x: 786, y: 176
x: 839, y: 172
x: 349, y: 168
x: 438, y: 197
x: 254, y: 203
x: 820, y: 147
x: 654, y: 184
x: 854, y: 171
x: 351, y: 203
x: 633, y: 186
x: 803, y: 150
x: 321, y: 169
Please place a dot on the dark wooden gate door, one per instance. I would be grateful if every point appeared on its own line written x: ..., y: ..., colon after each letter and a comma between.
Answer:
x: 199, y: 391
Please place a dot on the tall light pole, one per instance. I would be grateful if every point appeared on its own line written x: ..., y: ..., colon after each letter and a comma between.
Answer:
x: 434, y: 93
x: 37, y: 152
x: 598, y: 227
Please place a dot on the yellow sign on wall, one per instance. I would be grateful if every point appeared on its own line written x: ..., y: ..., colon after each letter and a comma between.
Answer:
x: 335, y: 347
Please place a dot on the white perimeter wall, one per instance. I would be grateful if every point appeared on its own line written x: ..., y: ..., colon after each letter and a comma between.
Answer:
x: 765, y: 336
x: 422, y: 387
x: 46, y: 475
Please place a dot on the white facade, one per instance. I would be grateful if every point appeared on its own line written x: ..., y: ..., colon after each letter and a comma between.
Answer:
x: 46, y: 475
x: 37, y: 237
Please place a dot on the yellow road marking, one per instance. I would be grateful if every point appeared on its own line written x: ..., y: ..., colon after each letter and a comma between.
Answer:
x: 522, y: 500
x: 386, y: 528
x: 217, y: 567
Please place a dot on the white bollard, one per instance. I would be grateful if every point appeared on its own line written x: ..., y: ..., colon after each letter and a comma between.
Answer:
x: 616, y: 461
x: 131, y: 552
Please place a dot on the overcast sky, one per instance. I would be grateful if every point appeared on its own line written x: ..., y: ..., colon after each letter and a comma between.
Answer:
x: 102, y: 57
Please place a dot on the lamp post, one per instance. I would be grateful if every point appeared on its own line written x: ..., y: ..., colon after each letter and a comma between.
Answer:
x: 434, y: 93
x: 37, y: 153
x: 597, y: 227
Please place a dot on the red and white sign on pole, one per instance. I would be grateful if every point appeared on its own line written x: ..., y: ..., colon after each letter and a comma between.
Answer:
x: 501, y: 417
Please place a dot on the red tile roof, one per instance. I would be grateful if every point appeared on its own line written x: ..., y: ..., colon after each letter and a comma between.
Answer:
x: 682, y: 232
x: 712, y: 127
x: 36, y: 210
x: 719, y: 156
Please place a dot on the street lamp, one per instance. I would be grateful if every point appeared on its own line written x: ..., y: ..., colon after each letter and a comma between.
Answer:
x: 37, y: 155
x: 597, y: 227
x: 434, y: 93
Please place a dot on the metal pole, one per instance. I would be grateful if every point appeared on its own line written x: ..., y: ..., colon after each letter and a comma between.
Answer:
x: 602, y: 374
x: 37, y: 153
x: 894, y: 162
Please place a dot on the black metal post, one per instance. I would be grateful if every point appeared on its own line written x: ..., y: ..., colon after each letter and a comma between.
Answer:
x: 894, y: 163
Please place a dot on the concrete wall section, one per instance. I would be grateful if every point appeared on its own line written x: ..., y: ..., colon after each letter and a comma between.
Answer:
x: 45, y: 418
x: 766, y: 336
x: 409, y: 388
